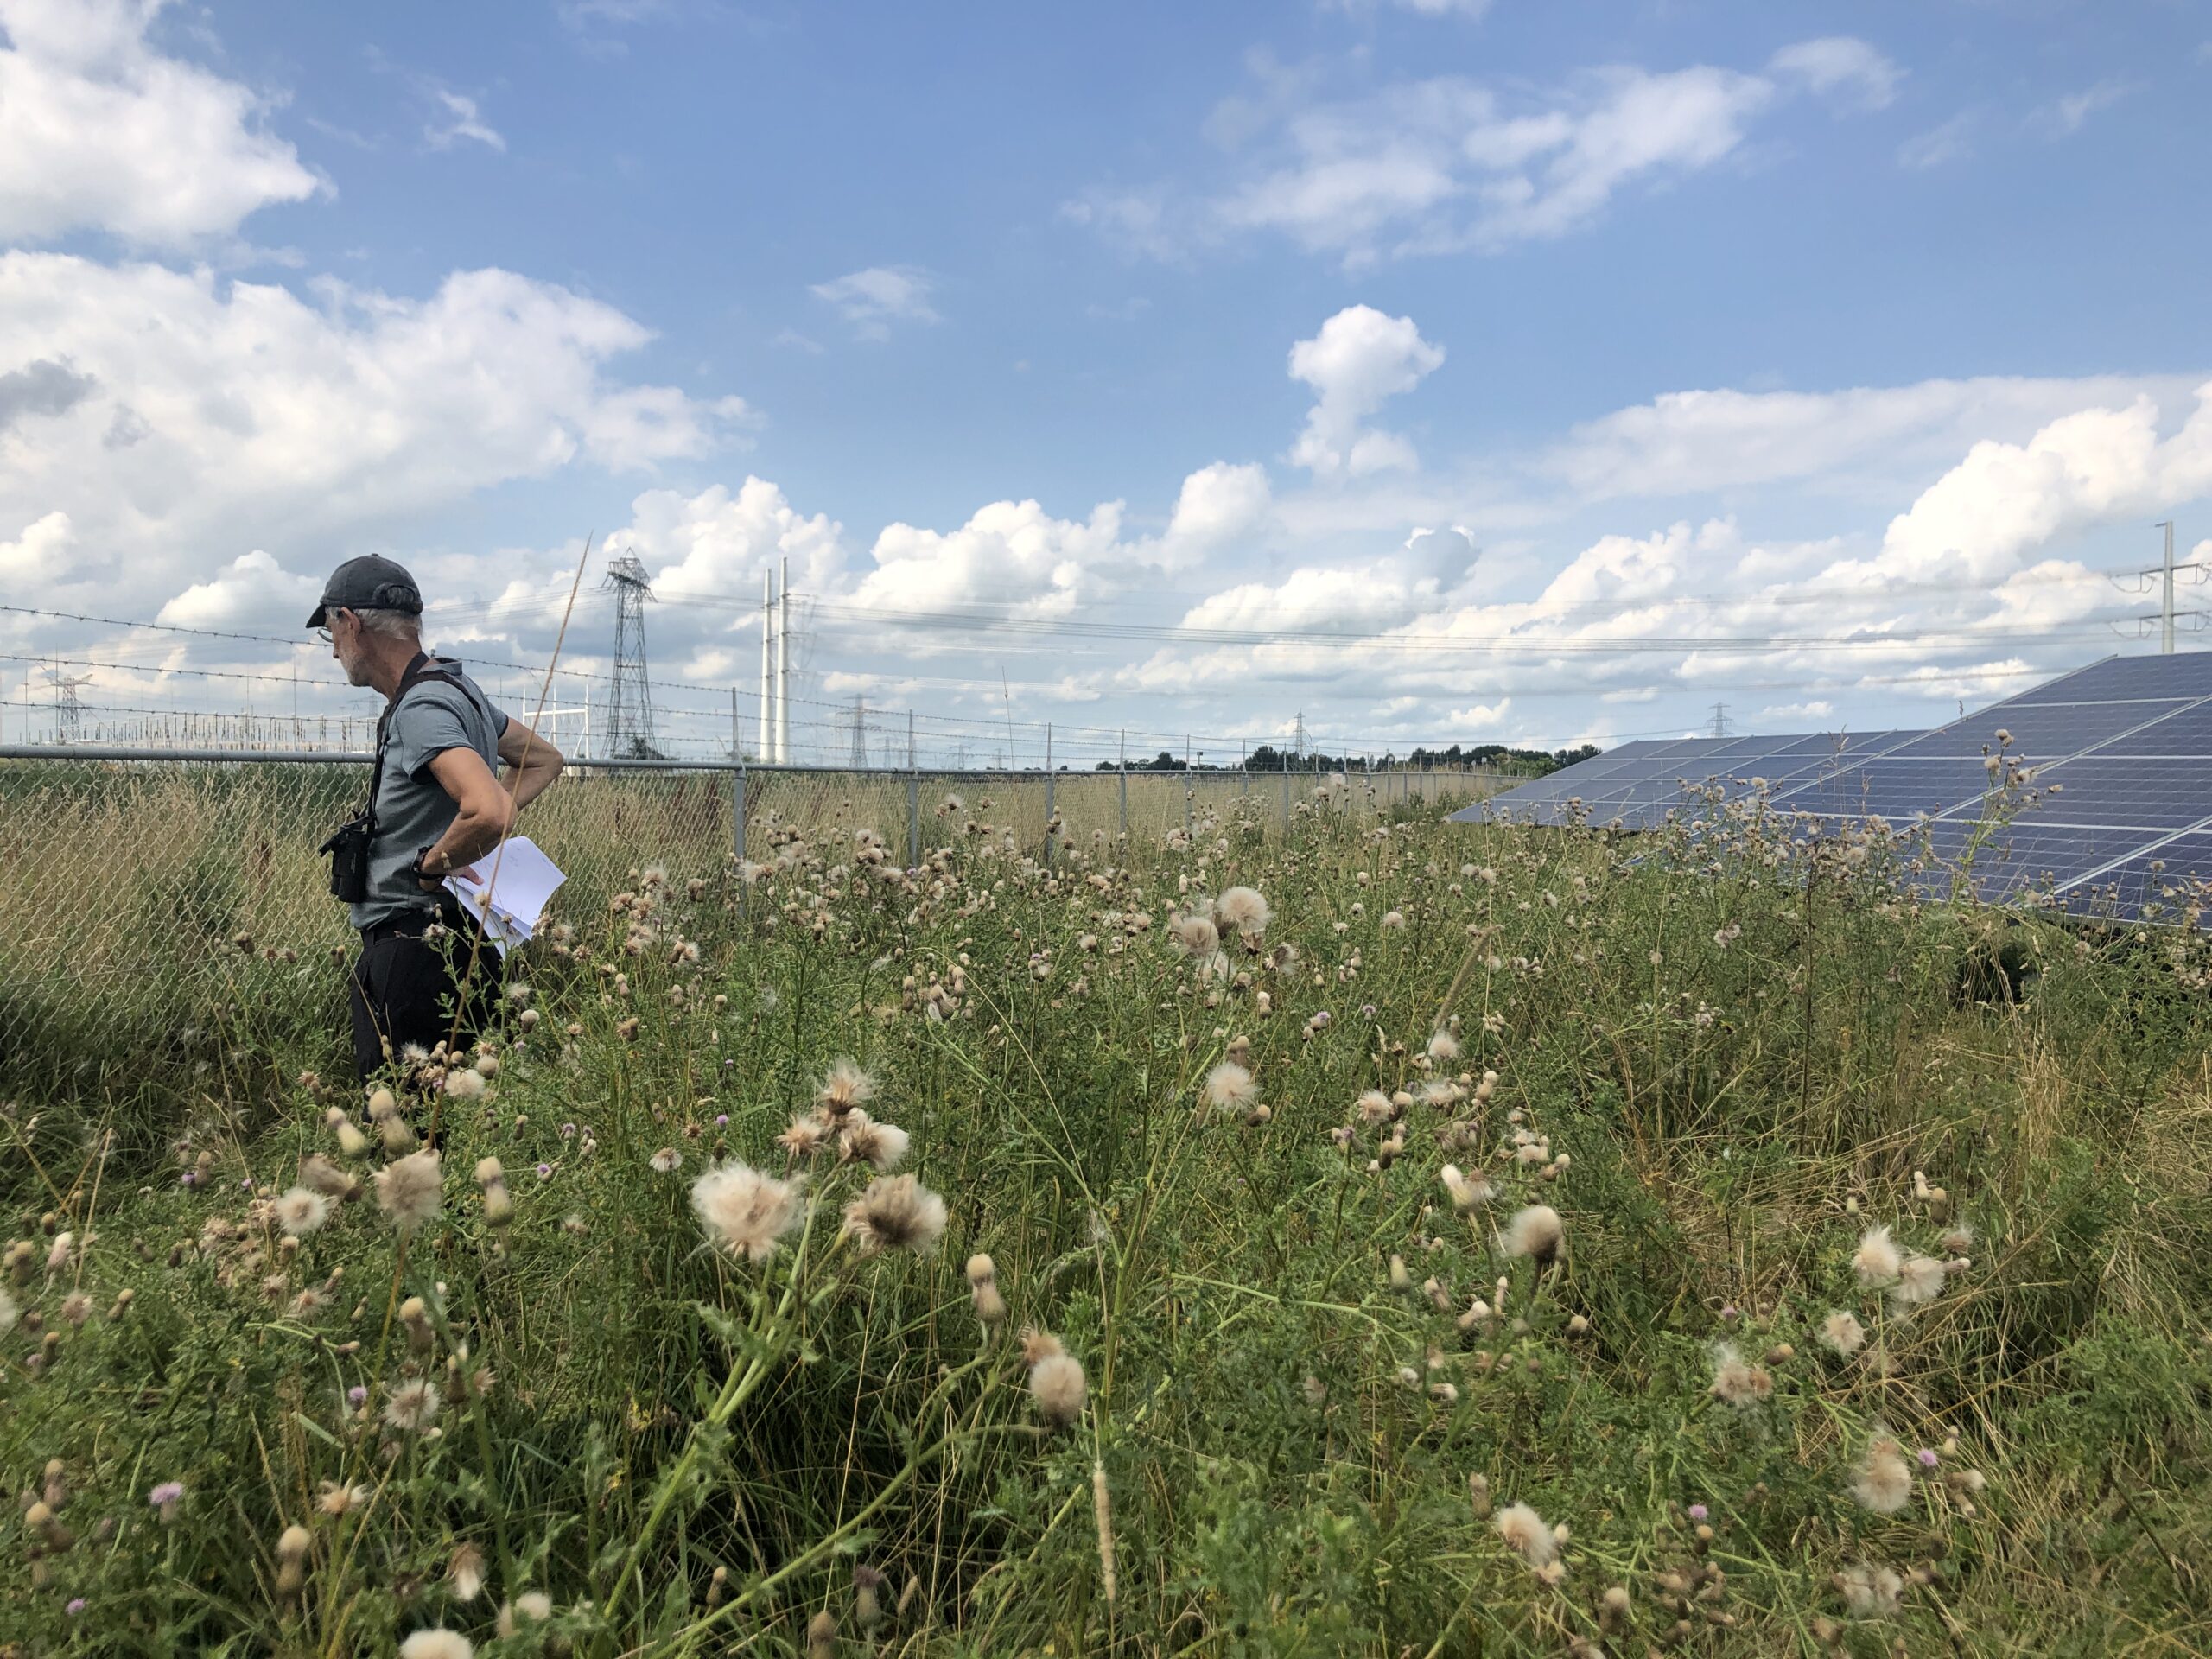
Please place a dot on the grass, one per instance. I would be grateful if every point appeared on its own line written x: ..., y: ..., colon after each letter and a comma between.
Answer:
x: 1719, y: 1062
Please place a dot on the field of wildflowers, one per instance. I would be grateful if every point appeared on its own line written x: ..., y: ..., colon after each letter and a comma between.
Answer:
x: 1390, y: 1237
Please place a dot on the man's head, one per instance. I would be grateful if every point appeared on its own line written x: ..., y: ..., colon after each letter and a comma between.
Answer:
x: 370, y: 608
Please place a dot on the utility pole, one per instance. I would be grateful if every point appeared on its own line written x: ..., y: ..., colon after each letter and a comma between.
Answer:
x: 860, y: 734
x: 2163, y: 573
x: 630, y: 717
x: 767, y: 668
x: 1720, y: 720
x: 784, y: 667
x: 2166, y: 600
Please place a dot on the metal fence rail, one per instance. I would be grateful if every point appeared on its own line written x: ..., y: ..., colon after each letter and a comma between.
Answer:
x: 143, y: 896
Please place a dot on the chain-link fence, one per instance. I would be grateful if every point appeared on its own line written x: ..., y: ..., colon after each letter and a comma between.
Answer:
x: 149, y: 904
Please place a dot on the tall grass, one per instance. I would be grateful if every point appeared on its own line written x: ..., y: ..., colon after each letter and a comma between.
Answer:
x: 1719, y: 1060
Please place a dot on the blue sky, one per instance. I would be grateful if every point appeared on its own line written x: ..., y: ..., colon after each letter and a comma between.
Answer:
x: 1818, y: 359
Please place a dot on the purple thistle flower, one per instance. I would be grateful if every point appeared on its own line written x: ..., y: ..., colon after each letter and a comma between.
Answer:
x: 568, y: 1131
x: 168, y: 1492
x: 1927, y: 1457
x: 1698, y: 1512
x: 721, y: 1120
x: 357, y: 1396
x: 545, y: 1172
x: 76, y: 1606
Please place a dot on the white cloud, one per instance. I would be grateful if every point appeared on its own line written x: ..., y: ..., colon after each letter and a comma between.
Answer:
x: 1010, y: 555
x: 34, y: 554
x: 718, y: 544
x: 2070, y: 114
x: 1358, y: 360
x: 253, y: 418
x: 1447, y: 163
x: 1873, y: 440
x: 1218, y: 504
x: 872, y: 300
x: 99, y: 131
x: 1469, y: 9
x: 2008, y: 499
x: 462, y: 120
x: 252, y: 590
x: 1840, y: 63
x: 1953, y: 141
x: 1136, y: 221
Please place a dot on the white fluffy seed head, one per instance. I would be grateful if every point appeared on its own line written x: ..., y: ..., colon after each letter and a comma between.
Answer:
x: 1242, y: 911
x: 897, y: 1212
x: 1841, y: 1332
x: 1230, y: 1088
x: 1524, y: 1531
x: 746, y: 1212
x: 1535, y: 1232
x: 301, y: 1210
x: 1884, y: 1480
x: 1920, y: 1279
x: 1059, y: 1387
x: 410, y: 1190
x: 1878, y: 1260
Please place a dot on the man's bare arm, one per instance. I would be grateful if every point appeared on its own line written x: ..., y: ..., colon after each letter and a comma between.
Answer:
x: 535, y: 762
x: 485, y: 814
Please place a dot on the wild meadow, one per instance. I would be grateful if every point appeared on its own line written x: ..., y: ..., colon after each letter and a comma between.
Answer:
x: 1387, y: 1237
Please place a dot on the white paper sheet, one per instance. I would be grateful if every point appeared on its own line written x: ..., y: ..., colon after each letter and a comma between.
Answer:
x: 521, y: 880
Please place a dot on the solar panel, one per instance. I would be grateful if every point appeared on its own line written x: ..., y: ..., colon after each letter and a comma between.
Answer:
x: 1637, y: 784
x: 2120, y: 761
x: 2115, y: 818
x: 2153, y: 883
x: 2119, y: 678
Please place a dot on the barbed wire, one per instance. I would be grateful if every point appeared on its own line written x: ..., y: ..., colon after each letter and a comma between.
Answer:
x: 828, y: 727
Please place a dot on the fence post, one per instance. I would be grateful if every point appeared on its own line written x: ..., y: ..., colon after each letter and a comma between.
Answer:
x: 1122, y: 768
x: 913, y: 800
x: 737, y: 795
x: 1048, y: 793
x: 1189, y: 784
x: 1286, y: 800
x: 737, y: 833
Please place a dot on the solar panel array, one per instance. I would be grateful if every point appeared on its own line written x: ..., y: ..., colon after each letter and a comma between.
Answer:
x: 1638, y: 784
x: 2115, y: 819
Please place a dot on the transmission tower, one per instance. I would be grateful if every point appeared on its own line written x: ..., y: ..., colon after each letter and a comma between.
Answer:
x: 1298, y: 736
x: 1720, y: 720
x: 630, y: 705
x: 68, y: 716
x: 859, y: 735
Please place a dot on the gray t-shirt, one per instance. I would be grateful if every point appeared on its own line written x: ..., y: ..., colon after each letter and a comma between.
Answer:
x: 413, y: 809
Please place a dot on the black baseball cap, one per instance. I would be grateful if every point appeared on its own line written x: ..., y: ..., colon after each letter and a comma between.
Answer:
x: 368, y: 584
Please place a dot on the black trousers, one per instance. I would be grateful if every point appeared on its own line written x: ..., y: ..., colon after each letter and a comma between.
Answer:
x: 405, y: 989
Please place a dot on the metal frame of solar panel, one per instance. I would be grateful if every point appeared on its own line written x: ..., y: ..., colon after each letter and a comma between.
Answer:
x: 2120, y: 796
x: 1637, y: 786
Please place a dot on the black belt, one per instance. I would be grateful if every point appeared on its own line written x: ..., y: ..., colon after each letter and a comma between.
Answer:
x: 413, y: 924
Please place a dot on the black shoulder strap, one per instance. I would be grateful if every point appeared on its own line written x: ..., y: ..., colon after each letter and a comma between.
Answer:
x: 422, y: 666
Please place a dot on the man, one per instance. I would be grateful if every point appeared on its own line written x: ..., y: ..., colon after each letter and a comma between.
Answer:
x: 437, y: 808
